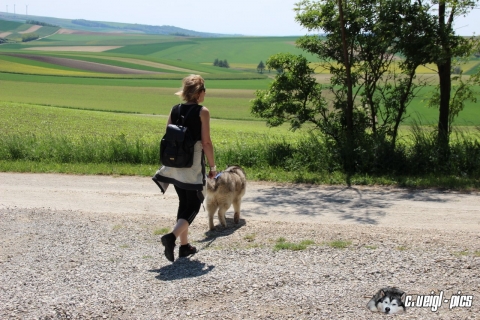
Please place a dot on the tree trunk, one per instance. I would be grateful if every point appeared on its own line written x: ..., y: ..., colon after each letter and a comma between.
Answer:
x: 349, y: 109
x: 444, y: 72
x: 445, y: 88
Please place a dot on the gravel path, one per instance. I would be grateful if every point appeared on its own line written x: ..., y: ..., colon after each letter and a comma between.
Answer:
x: 83, y: 247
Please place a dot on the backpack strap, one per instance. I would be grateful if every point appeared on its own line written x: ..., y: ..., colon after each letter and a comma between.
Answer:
x: 180, y: 116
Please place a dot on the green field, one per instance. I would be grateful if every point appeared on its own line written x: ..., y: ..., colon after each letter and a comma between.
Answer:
x: 54, y: 113
x: 229, y: 90
x: 225, y: 99
x: 36, y: 120
x: 10, y: 25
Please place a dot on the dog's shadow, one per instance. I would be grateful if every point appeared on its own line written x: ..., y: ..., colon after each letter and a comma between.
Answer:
x: 182, y: 268
x: 220, y: 231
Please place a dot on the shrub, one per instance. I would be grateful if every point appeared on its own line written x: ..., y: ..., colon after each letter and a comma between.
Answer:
x: 29, y: 37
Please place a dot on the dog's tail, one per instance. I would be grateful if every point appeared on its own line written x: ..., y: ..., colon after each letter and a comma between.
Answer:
x: 235, y: 169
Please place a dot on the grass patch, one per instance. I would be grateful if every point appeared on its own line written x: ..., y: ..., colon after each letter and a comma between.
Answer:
x: 250, y: 237
x: 117, y: 227
x: 282, y: 244
x: 46, y: 139
x: 339, y: 244
x: 161, y: 232
x: 371, y: 247
x: 402, y: 248
x: 464, y: 253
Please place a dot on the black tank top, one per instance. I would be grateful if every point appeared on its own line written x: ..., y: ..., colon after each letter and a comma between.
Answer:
x: 193, y: 122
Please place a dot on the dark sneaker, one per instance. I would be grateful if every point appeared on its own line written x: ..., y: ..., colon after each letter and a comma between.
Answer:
x: 186, y: 250
x: 168, y: 242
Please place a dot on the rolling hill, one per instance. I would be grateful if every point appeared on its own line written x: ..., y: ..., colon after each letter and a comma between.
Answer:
x: 106, y: 27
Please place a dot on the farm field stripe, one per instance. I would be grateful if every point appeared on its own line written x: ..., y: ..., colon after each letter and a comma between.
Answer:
x: 84, y: 65
x: 74, y: 48
x: 31, y: 29
x: 93, y: 79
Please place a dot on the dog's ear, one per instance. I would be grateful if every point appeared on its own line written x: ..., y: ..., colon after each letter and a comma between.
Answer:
x: 381, y: 294
x: 403, y: 297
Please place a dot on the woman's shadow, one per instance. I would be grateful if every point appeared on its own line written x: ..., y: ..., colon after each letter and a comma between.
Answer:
x: 182, y: 268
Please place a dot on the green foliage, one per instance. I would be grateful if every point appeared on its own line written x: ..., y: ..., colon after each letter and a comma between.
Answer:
x: 340, y: 244
x: 261, y: 67
x: 127, y: 139
x: 282, y: 244
x: 221, y: 63
x: 90, y: 24
x: 444, y: 46
x: 29, y: 37
x: 294, y: 96
x: 40, y: 23
x: 161, y: 231
x: 370, y: 98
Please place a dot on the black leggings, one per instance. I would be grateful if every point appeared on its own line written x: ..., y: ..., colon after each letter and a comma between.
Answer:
x: 189, y: 204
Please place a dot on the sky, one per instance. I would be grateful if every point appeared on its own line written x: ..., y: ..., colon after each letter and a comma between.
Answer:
x: 245, y: 17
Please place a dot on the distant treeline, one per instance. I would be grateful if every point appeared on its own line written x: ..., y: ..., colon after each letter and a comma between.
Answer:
x: 166, y: 30
x: 90, y: 24
x: 40, y: 23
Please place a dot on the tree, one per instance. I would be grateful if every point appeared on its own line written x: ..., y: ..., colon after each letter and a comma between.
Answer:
x: 462, y: 90
x: 361, y: 41
x: 221, y: 63
x: 260, y: 67
x: 445, y: 47
x: 281, y: 104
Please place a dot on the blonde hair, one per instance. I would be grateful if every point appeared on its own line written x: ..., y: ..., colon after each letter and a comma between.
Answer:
x: 192, y: 85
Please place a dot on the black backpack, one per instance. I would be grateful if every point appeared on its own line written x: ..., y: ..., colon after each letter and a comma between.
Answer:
x: 177, y: 145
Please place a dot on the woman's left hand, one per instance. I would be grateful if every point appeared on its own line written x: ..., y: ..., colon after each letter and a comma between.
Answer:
x: 212, y: 174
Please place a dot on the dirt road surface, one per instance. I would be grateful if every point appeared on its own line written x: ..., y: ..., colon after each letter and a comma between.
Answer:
x: 87, y: 247
x: 376, y: 206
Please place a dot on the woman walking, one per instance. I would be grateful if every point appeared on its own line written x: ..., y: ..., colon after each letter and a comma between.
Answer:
x: 188, y: 182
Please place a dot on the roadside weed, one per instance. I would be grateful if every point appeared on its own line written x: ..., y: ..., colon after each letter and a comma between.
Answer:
x: 466, y: 253
x: 339, y: 244
x: 161, y: 232
x: 250, y: 237
x: 282, y: 244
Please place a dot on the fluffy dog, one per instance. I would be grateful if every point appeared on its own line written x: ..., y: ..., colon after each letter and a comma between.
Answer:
x: 227, y: 188
x: 388, y: 300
